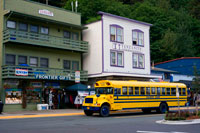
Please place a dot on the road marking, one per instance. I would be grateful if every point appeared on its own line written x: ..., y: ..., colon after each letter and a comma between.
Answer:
x: 41, y: 115
x: 140, y: 116
x: 159, y: 132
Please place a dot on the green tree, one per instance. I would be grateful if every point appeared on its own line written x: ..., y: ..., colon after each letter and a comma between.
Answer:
x: 89, y: 8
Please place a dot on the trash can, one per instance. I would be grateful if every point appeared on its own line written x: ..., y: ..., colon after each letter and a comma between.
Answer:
x: 1, y: 107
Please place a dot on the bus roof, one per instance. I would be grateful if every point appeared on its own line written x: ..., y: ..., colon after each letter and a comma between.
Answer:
x: 109, y: 83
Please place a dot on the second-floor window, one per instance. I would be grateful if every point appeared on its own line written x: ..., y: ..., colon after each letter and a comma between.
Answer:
x: 34, y: 28
x: 44, y: 62
x: 138, y: 60
x: 67, y: 64
x: 67, y: 34
x: 33, y: 61
x: 10, y: 59
x: 75, y: 65
x: 116, y: 58
x: 11, y: 24
x: 22, y: 60
x: 138, y: 37
x: 116, y: 33
x: 75, y: 36
x: 44, y: 30
x: 23, y: 26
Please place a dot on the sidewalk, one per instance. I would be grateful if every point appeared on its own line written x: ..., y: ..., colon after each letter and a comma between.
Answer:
x: 64, y: 112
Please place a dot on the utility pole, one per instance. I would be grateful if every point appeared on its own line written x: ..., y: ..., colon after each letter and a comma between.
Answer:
x: 47, y: 2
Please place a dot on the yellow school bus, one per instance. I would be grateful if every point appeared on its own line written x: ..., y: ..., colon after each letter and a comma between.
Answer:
x: 114, y: 95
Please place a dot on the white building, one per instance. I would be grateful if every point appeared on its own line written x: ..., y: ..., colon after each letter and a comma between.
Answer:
x: 119, y: 49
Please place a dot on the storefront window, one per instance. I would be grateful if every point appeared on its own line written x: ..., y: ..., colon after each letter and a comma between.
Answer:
x: 13, y: 96
x: 33, y: 95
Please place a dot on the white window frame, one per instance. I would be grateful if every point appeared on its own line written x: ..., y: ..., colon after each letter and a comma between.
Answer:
x: 116, y: 58
x: 138, y: 37
x: 136, y: 60
x: 116, y: 33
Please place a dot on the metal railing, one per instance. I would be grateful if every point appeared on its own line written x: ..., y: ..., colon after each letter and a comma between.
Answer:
x: 44, y: 40
x: 35, y: 72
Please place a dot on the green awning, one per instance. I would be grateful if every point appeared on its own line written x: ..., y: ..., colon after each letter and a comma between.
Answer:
x: 79, y: 87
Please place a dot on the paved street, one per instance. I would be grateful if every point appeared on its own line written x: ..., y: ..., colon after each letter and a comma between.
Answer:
x: 118, y: 123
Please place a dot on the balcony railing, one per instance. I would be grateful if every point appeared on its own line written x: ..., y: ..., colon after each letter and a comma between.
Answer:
x: 24, y: 72
x: 11, y: 35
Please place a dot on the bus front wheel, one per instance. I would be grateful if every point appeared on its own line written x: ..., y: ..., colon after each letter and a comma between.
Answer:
x: 88, y: 112
x: 163, y: 108
x: 104, y: 111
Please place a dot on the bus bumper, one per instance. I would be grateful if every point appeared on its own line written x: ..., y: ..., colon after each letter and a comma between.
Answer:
x: 90, y: 108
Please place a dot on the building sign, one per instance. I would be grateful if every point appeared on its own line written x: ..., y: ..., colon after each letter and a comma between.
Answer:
x: 36, y: 84
x: 53, y: 77
x: 21, y: 72
x: 77, y: 77
x: 123, y: 47
x: 46, y: 12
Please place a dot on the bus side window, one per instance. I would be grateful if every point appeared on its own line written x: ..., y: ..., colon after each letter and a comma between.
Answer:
x: 148, y: 91
x: 136, y: 90
x: 142, y: 90
x: 118, y: 91
x: 153, y: 92
x: 163, y: 91
x: 158, y: 91
x: 130, y: 89
x: 124, y: 90
x: 173, y: 91
x: 183, y: 91
x: 179, y: 90
x: 168, y: 91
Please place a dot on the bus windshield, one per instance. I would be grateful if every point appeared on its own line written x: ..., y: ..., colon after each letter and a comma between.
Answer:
x: 104, y: 90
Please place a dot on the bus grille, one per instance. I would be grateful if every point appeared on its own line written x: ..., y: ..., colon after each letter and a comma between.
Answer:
x: 89, y: 100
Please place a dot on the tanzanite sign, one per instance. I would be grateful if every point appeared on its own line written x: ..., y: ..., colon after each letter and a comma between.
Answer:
x: 21, y: 72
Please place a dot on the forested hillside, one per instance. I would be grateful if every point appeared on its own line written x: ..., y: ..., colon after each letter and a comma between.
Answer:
x: 176, y: 23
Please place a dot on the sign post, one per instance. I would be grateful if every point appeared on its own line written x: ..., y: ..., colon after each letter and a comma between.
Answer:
x: 177, y: 95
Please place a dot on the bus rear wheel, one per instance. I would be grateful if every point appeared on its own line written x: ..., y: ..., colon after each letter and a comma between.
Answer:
x: 104, y: 111
x: 163, y: 108
x: 88, y: 112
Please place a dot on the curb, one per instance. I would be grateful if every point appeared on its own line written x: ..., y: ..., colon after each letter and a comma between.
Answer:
x: 38, y: 116
x: 182, y: 122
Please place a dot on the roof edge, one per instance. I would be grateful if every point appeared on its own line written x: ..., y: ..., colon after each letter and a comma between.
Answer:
x: 177, y: 59
x: 124, y: 18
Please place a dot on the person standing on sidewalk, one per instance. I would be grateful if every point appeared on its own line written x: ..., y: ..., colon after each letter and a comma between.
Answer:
x: 1, y: 106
